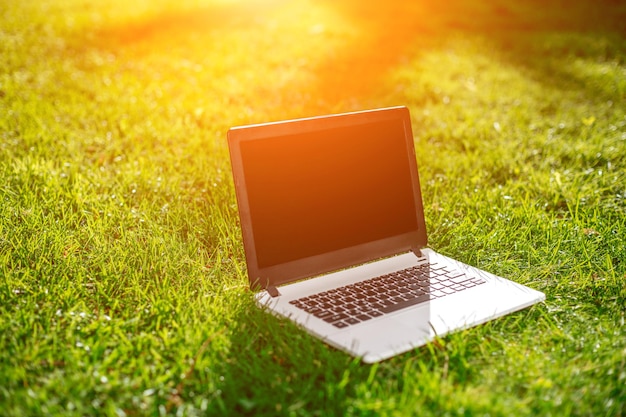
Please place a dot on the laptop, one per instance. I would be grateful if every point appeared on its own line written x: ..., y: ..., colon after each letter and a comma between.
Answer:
x: 335, y: 238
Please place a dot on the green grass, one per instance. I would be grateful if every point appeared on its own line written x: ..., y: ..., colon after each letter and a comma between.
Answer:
x: 123, y: 288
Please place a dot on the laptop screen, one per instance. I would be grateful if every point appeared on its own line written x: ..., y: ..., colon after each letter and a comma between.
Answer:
x: 324, y: 186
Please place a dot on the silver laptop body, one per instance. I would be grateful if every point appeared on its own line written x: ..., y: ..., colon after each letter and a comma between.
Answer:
x: 335, y: 237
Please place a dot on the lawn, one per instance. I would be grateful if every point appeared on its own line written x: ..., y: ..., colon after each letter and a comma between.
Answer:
x: 123, y: 289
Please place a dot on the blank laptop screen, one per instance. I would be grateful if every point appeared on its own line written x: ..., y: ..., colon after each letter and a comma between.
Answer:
x: 316, y: 192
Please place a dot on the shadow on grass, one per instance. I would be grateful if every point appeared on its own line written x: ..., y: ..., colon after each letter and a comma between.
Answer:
x: 273, y: 367
x: 272, y: 355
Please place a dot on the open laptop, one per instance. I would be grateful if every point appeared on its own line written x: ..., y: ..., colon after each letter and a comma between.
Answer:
x: 335, y: 237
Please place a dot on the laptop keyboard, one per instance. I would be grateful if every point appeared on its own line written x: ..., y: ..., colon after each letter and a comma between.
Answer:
x: 362, y: 301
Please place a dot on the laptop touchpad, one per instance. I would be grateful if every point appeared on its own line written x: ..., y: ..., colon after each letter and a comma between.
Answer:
x: 384, y: 336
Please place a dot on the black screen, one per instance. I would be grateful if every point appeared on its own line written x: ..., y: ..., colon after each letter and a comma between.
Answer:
x: 317, y: 192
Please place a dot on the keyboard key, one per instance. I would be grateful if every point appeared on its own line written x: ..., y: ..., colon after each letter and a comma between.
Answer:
x: 459, y: 279
x: 387, y: 303
x: 404, y: 304
x: 437, y: 293
x: 322, y: 314
x: 335, y: 317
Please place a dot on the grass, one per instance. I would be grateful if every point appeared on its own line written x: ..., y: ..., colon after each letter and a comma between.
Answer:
x: 123, y: 288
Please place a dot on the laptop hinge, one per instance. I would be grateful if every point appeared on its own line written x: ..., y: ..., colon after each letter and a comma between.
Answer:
x: 417, y: 252
x: 273, y: 291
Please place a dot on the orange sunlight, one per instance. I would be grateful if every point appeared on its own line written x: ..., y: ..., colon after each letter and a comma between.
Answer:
x: 300, y: 56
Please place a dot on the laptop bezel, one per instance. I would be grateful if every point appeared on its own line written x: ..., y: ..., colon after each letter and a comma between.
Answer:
x: 273, y: 276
